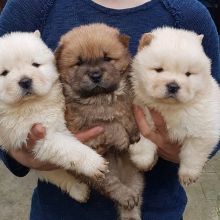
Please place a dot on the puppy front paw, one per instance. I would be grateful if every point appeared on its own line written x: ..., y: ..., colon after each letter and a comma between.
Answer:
x: 80, y: 192
x: 143, y: 154
x: 95, y: 167
x: 188, y: 176
x: 144, y: 162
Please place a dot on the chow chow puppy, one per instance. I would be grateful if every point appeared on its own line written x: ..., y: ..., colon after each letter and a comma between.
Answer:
x: 30, y: 93
x: 172, y: 74
x: 94, y: 62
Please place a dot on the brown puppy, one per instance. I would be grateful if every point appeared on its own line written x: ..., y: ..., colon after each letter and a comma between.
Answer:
x: 94, y: 62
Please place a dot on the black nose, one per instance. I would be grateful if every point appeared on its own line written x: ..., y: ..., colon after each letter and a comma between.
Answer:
x: 96, y: 77
x: 25, y: 83
x: 173, y: 87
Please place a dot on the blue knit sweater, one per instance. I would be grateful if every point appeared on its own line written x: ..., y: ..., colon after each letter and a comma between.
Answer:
x: 164, y: 198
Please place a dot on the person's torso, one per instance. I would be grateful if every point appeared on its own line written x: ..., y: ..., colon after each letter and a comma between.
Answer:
x: 164, y: 198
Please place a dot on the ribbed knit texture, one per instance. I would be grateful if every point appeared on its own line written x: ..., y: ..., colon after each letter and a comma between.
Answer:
x: 164, y: 198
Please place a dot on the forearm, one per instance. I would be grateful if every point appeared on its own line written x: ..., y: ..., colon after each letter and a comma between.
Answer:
x: 15, y: 167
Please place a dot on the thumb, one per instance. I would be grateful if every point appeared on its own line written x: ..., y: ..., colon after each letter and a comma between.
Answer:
x: 37, y: 132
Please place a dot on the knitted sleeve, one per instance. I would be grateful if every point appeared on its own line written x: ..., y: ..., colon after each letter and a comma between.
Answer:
x: 22, y: 15
x: 192, y: 15
x: 16, y: 168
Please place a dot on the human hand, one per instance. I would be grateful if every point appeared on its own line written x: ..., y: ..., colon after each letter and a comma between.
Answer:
x: 166, y: 149
x: 25, y: 156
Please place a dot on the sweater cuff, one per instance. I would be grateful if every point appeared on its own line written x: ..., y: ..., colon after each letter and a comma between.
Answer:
x: 16, y: 168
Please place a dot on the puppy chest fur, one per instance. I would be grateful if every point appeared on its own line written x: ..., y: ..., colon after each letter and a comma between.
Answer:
x: 112, y: 111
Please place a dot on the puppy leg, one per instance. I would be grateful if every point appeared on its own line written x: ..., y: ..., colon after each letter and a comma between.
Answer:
x: 194, y: 153
x: 133, y: 214
x: 135, y: 182
x: 143, y: 154
x: 117, y: 191
x: 62, y: 149
x: 66, y: 182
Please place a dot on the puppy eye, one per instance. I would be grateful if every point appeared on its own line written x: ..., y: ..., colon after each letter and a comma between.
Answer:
x: 159, y: 70
x: 80, y: 61
x: 188, y: 74
x: 107, y: 59
x: 35, y: 64
x: 5, y: 73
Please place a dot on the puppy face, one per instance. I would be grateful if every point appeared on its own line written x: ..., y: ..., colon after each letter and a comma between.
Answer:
x: 171, y: 66
x: 27, y: 67
x: 92, y: 60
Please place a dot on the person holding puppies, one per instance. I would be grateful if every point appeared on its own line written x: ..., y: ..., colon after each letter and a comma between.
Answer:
x: 164, y: 198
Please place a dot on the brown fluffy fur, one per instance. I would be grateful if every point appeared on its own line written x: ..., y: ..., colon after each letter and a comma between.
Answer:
x: 101, y: 50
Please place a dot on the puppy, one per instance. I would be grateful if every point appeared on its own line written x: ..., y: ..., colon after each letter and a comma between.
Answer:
x: 31, y: 93
x: 94, y: 61
x: 172, y: 74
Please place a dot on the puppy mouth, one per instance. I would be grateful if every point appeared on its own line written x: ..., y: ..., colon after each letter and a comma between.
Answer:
x: 97, y: 90
x: 168, y: 99
x: 27, y: 93
x: 170, y: 96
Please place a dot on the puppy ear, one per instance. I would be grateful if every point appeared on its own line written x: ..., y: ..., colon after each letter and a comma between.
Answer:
x: 145, y: 40
x: 37, y: 33
x: 201, y: 36
x: 124, y: 39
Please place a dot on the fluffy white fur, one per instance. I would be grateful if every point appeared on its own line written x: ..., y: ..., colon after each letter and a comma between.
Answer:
x: 192, y: 115
x: 19, y: 110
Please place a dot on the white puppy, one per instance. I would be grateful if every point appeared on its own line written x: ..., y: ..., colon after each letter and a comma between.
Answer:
x: 172, y: 75
x: 30, y: 93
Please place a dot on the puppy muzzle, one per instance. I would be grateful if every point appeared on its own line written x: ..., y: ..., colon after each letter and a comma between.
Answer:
x: 172, y: 90
x: 26, y: 86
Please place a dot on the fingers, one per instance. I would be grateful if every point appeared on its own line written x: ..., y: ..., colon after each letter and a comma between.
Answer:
x: 169, y: 156
x: 37, y: 132
x: 144, y: 129
x: 159, y: 121
x: 25, y: 155
x: 89, y: 134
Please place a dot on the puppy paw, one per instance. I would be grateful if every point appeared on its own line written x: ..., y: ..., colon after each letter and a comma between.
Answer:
x: 95, y: 167
x: 131, y: 218
x: 188, y: 176
x: 80, y: 192
x: 144, y: 162
x: 129, y: 200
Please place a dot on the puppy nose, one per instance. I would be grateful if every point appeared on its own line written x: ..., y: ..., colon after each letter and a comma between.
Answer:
x: 25, y: 83
x: 173, y: 87
x: 96, y: 76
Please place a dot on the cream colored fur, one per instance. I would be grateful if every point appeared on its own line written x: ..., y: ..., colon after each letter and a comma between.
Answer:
x: 19, y: 111
x: 193, y: 115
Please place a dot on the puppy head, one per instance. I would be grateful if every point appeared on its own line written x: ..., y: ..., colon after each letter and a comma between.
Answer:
x: 92, y: 60
x: 27, y: 67
x: 171, y: 66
